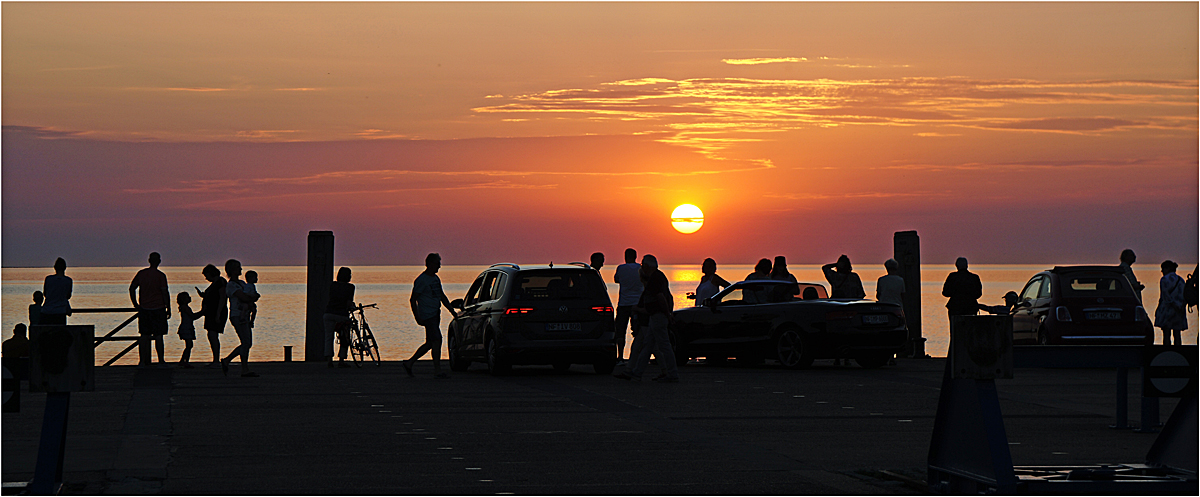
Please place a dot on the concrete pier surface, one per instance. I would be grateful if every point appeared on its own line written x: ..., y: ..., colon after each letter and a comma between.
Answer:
x: 302, y: 428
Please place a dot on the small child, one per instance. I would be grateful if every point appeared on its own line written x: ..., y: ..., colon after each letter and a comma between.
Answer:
x: 35, y: 309
x: 187, y: 329
x: 251, y: 279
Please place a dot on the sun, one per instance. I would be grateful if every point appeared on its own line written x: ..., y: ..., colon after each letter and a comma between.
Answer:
x: 687, y: 218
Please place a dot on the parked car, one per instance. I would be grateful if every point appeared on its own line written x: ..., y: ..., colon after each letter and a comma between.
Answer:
x: 789, y: 322
x: 513, y: 315
x: 1080, y: 305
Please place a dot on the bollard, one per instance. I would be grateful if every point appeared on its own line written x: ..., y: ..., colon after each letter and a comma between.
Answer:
x: 287, y: 353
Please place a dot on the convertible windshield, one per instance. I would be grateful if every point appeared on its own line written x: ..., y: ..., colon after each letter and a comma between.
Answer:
x: 772, y: 292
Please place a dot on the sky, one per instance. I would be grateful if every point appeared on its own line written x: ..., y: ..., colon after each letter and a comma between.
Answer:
x: 1049, y: 133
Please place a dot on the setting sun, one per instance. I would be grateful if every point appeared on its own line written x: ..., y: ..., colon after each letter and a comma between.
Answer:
x: 687, y: 218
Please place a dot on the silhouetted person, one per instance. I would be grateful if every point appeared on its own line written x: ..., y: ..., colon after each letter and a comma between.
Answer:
x: 889, y: 288
x: 17, y: 346
x: 251, y: 289
x: 1170, y: 314
x: 213, y: 307
x: 239, y: 317
x: 57, y: 290
x: 964, y: 289
x: 655, y: 307
x: 35, y: 309
x: 810, y: 293
x: 844, y: 283
x: 779, y: 272
x: 150, y: 296
x: 427, y: 301
x: 762, y: 271
x: 1010, y: 301
x: 1127, y: 260
x: 597, y: 261
x: 187, y: 328
x: 628, y: 276
x: 341, y: 304
x: 710, y: 282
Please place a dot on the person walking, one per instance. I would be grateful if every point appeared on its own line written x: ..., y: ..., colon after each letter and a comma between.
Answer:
x: 150, y: 296
x: 844, y: 283
x: 1170, y: 314
x: 889, y: 288
x: 341, y: 304
x: 214, y: 309
x: 655, y: 304
x: 427, y: 301
x: 1127, y: 260
x: 56, y: 289
x: 628, y: 276
x: 239, y: 317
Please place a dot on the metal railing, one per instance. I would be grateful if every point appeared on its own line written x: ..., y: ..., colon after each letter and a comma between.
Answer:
x: 112, y: 335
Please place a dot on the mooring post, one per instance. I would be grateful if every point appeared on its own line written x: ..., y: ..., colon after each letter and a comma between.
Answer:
x: 908, y: 253
x: 320, y: 274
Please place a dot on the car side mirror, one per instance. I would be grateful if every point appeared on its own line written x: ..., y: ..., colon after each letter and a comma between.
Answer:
x: 1024, y: 303
x: 456, y: 304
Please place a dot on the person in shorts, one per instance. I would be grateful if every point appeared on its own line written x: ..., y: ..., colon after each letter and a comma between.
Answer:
x: 427, y: 301
x: 150, y: 296
x: 239, y: 317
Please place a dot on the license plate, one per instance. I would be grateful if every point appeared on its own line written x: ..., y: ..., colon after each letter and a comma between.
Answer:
x: 1103, y: 316
x: 564, y: 327
x: 875, y: 319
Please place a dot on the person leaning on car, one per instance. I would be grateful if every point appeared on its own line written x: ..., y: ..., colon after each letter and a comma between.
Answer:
x: 964, y: 289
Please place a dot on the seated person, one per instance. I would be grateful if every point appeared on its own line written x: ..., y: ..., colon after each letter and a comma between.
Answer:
x: 810, y: 293
x: 1010, y: 301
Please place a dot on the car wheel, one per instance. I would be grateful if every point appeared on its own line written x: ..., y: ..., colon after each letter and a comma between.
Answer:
x: 605, y: 367
x: 457, y: 364
x: 562, y: 366
x: 496, y: 366
x: 791, y: 351
x: 873, y: 361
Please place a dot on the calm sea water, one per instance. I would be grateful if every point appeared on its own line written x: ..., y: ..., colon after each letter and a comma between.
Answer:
x: 281, y: 310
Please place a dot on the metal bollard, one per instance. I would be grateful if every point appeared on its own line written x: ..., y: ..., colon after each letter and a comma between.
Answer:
x: 287, y: 353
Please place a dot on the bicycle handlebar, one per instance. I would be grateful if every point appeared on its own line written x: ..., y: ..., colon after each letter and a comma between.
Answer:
x: 364, y: 306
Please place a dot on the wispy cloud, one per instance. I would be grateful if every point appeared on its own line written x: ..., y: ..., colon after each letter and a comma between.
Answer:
x: 199, y: 89
x: 762, y: 60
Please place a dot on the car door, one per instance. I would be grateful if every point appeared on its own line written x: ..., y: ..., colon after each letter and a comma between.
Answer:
x: 730, y: 315
x: 489, y: 308
x: 469, y: 318
x: 1024, y: 322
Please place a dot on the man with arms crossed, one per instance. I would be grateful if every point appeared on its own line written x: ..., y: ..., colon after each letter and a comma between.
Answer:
x: 427, y: 301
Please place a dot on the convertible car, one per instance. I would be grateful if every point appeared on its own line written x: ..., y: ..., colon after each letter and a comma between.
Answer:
x: 793, y: 323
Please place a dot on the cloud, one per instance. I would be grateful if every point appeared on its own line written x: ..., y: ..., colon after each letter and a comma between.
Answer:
x: 40, y: 132
x: 762, y: 60
x: 198, y: 89
x: 299, y: 89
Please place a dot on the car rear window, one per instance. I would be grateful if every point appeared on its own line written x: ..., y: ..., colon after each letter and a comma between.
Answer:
x: 554, y: 284
x: 1095, y: 285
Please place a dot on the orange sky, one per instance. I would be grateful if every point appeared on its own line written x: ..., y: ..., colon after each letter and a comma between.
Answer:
x: 1049, y: 133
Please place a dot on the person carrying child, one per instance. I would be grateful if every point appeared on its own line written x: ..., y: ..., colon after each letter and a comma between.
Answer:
x: 187, y: 327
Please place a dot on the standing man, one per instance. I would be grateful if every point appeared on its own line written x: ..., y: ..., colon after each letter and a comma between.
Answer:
x: 628, y: 276
x: 57, y: 292
x: 427, y: 301
x: 154, y: 309
x: 656, y: 304
x: 964, y: 289
x: 889, y: 288
x: 1127, y: 260
x: 239, y: 317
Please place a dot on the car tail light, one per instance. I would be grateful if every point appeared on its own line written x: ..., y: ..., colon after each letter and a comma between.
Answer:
x: 831, y: 316
x: 518, y: 310
x: 602, y: 309
x: 1062, y: 314
x: 1139, y: 314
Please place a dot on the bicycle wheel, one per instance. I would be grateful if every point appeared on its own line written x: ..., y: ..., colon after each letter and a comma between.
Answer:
x: 371, y: 348
x: 356, y: 349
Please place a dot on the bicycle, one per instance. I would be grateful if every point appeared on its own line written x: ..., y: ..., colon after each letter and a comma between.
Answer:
x: 362, y: 342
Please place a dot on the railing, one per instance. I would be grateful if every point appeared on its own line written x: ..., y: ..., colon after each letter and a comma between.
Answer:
x: 111, y: 336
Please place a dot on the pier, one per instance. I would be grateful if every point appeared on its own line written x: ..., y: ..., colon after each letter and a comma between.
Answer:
x: 303, y: 428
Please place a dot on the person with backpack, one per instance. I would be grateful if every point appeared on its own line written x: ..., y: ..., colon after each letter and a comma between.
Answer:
x: 1170, y: 315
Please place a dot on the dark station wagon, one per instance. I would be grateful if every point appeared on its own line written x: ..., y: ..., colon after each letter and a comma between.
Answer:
x: 789, y: 322
x: 513, y: 315
x: 1080, y: 305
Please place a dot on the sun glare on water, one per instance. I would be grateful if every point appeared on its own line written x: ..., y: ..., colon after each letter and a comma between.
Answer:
x: 687, y: 218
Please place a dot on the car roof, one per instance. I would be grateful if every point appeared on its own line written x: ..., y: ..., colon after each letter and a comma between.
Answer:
x: 508, y: 266
x: 1076, y: 269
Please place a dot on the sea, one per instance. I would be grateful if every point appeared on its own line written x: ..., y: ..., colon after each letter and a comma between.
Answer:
x: 281, y: 314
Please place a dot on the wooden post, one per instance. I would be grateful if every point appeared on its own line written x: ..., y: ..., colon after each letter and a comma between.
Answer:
x: 908, y: 253
x: 320, y: 274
